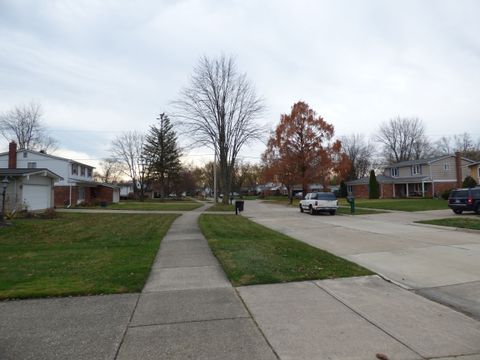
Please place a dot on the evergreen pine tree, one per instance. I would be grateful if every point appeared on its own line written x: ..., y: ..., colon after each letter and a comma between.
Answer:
x: 373, y: 192
x: 343, y: 189
x: 162, y: 154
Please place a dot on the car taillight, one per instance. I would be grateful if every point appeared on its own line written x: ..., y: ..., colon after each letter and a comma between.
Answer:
x: 469, y: 200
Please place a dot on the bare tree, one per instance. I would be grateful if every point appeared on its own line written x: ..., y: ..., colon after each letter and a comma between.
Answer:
x: 403, y: 139
x: 462, y: 143
x: 111, y: 170
x: 219, y: 109
x: 443, y: 146
x: 23, y: 124
x: 127, y: 148
x: 361, y: 154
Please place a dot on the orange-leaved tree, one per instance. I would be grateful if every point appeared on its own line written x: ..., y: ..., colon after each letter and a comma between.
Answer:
x: 301, y: 150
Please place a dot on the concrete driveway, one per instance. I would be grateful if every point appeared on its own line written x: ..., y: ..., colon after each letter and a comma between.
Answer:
x: 441, y: 264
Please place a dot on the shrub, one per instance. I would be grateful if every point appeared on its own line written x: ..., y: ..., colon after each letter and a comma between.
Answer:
x: 445, y: 194
x: 373, y: 192
x: 343, y: 189
x: 49, y: 214
x: 469, y: 182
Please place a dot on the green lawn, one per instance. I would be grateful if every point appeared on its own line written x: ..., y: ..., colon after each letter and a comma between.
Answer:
x: 222, y: 207
x: 253, y: 254
x: 399, y: 204
x: 79, y: 254
x: 153, y: 205
x: 346, y: 211
x: 459, y: 222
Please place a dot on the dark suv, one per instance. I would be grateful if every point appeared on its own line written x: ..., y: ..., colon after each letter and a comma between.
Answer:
x: 461, y: 200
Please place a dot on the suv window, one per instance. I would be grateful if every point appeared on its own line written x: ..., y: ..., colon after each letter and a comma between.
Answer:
x: 326, y: 196
x: 476, y: 193
x: 459, y: 193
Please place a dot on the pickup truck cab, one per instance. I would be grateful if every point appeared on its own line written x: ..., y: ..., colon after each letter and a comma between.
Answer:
x: 319, y: 201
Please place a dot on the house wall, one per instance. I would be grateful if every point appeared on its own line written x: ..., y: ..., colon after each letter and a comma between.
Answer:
x: 439, y: 172
x: 360, y: 191
x: 439, y: 187
x: 475, y: 172
x: 61, y: 167
x: 62, y: 195
x: 104, y: 193
x: 386, y: 191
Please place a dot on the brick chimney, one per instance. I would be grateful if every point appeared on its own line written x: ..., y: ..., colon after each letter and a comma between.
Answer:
x: 458, y: 169
x: 12, y: 155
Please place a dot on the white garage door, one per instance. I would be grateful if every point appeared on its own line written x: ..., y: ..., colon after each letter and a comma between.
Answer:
x: 36, y: 197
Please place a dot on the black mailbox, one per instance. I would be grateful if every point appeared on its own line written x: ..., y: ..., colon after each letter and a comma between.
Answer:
x: 239, y: 206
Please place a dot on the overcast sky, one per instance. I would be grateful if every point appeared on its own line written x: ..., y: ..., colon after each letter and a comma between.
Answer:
x: 102, y: 67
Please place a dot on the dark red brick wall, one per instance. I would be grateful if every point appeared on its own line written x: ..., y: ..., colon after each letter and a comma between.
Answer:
x: 103, y: 193
x: 360, y: 191
x: 386, y: 191
x: 441, y: 187
x: 62, y: 195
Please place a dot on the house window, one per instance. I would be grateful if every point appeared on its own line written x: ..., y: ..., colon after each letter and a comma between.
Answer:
x: 416, y: 169
x: 349, y: 189
x: 32, y: 165
x: 446, y: 166
x: 82, y: 170
x: 478, y: 172
x: 89, y: 172
x: 25, y: 154
x: 74, y: 169
x: 394, y: 172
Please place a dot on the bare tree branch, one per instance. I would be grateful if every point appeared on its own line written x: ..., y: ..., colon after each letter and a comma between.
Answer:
x: 128, y: 148
x: 219, y: 109
x: 23, y: 124
x: 403, y: 139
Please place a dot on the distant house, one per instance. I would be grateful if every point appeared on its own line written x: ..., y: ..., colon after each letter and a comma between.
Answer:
x: 126, y: 189
x: 424, y: 177
x: 75, y: 184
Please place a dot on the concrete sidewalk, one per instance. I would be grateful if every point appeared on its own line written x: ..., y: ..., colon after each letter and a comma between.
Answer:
x: 188, y: 309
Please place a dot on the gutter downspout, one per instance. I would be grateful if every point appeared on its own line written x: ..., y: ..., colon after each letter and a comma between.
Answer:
x: 70, y: 198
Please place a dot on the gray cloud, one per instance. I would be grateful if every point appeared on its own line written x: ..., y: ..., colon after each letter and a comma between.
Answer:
x: 110, y: 66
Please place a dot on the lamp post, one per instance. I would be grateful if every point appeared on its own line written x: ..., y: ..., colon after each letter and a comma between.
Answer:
x: 142, y: 177
x: 4, y: 185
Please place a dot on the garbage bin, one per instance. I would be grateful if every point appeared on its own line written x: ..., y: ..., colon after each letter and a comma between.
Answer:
x: 351, y: 201
x: 238, y: 206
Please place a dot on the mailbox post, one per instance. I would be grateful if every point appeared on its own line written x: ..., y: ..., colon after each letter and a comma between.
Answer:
x: 351, y: 201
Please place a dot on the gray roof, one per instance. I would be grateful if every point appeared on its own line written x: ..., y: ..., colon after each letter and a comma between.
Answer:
x: 382, y: 179
x: 417, y: 162
x: 423, y: 161
x: 30, y: 171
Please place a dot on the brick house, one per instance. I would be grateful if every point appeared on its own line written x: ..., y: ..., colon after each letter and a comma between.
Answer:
x: 416, y: 178
x: 76, y: 184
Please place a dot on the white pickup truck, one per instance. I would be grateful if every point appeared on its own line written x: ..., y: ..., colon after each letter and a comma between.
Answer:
x: 319, y: 201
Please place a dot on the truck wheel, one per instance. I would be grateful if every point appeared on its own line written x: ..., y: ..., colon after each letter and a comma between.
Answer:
x: 301, y: 208
x: 332, y: 212
x: 312, y: 212
x: 458, y: 211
